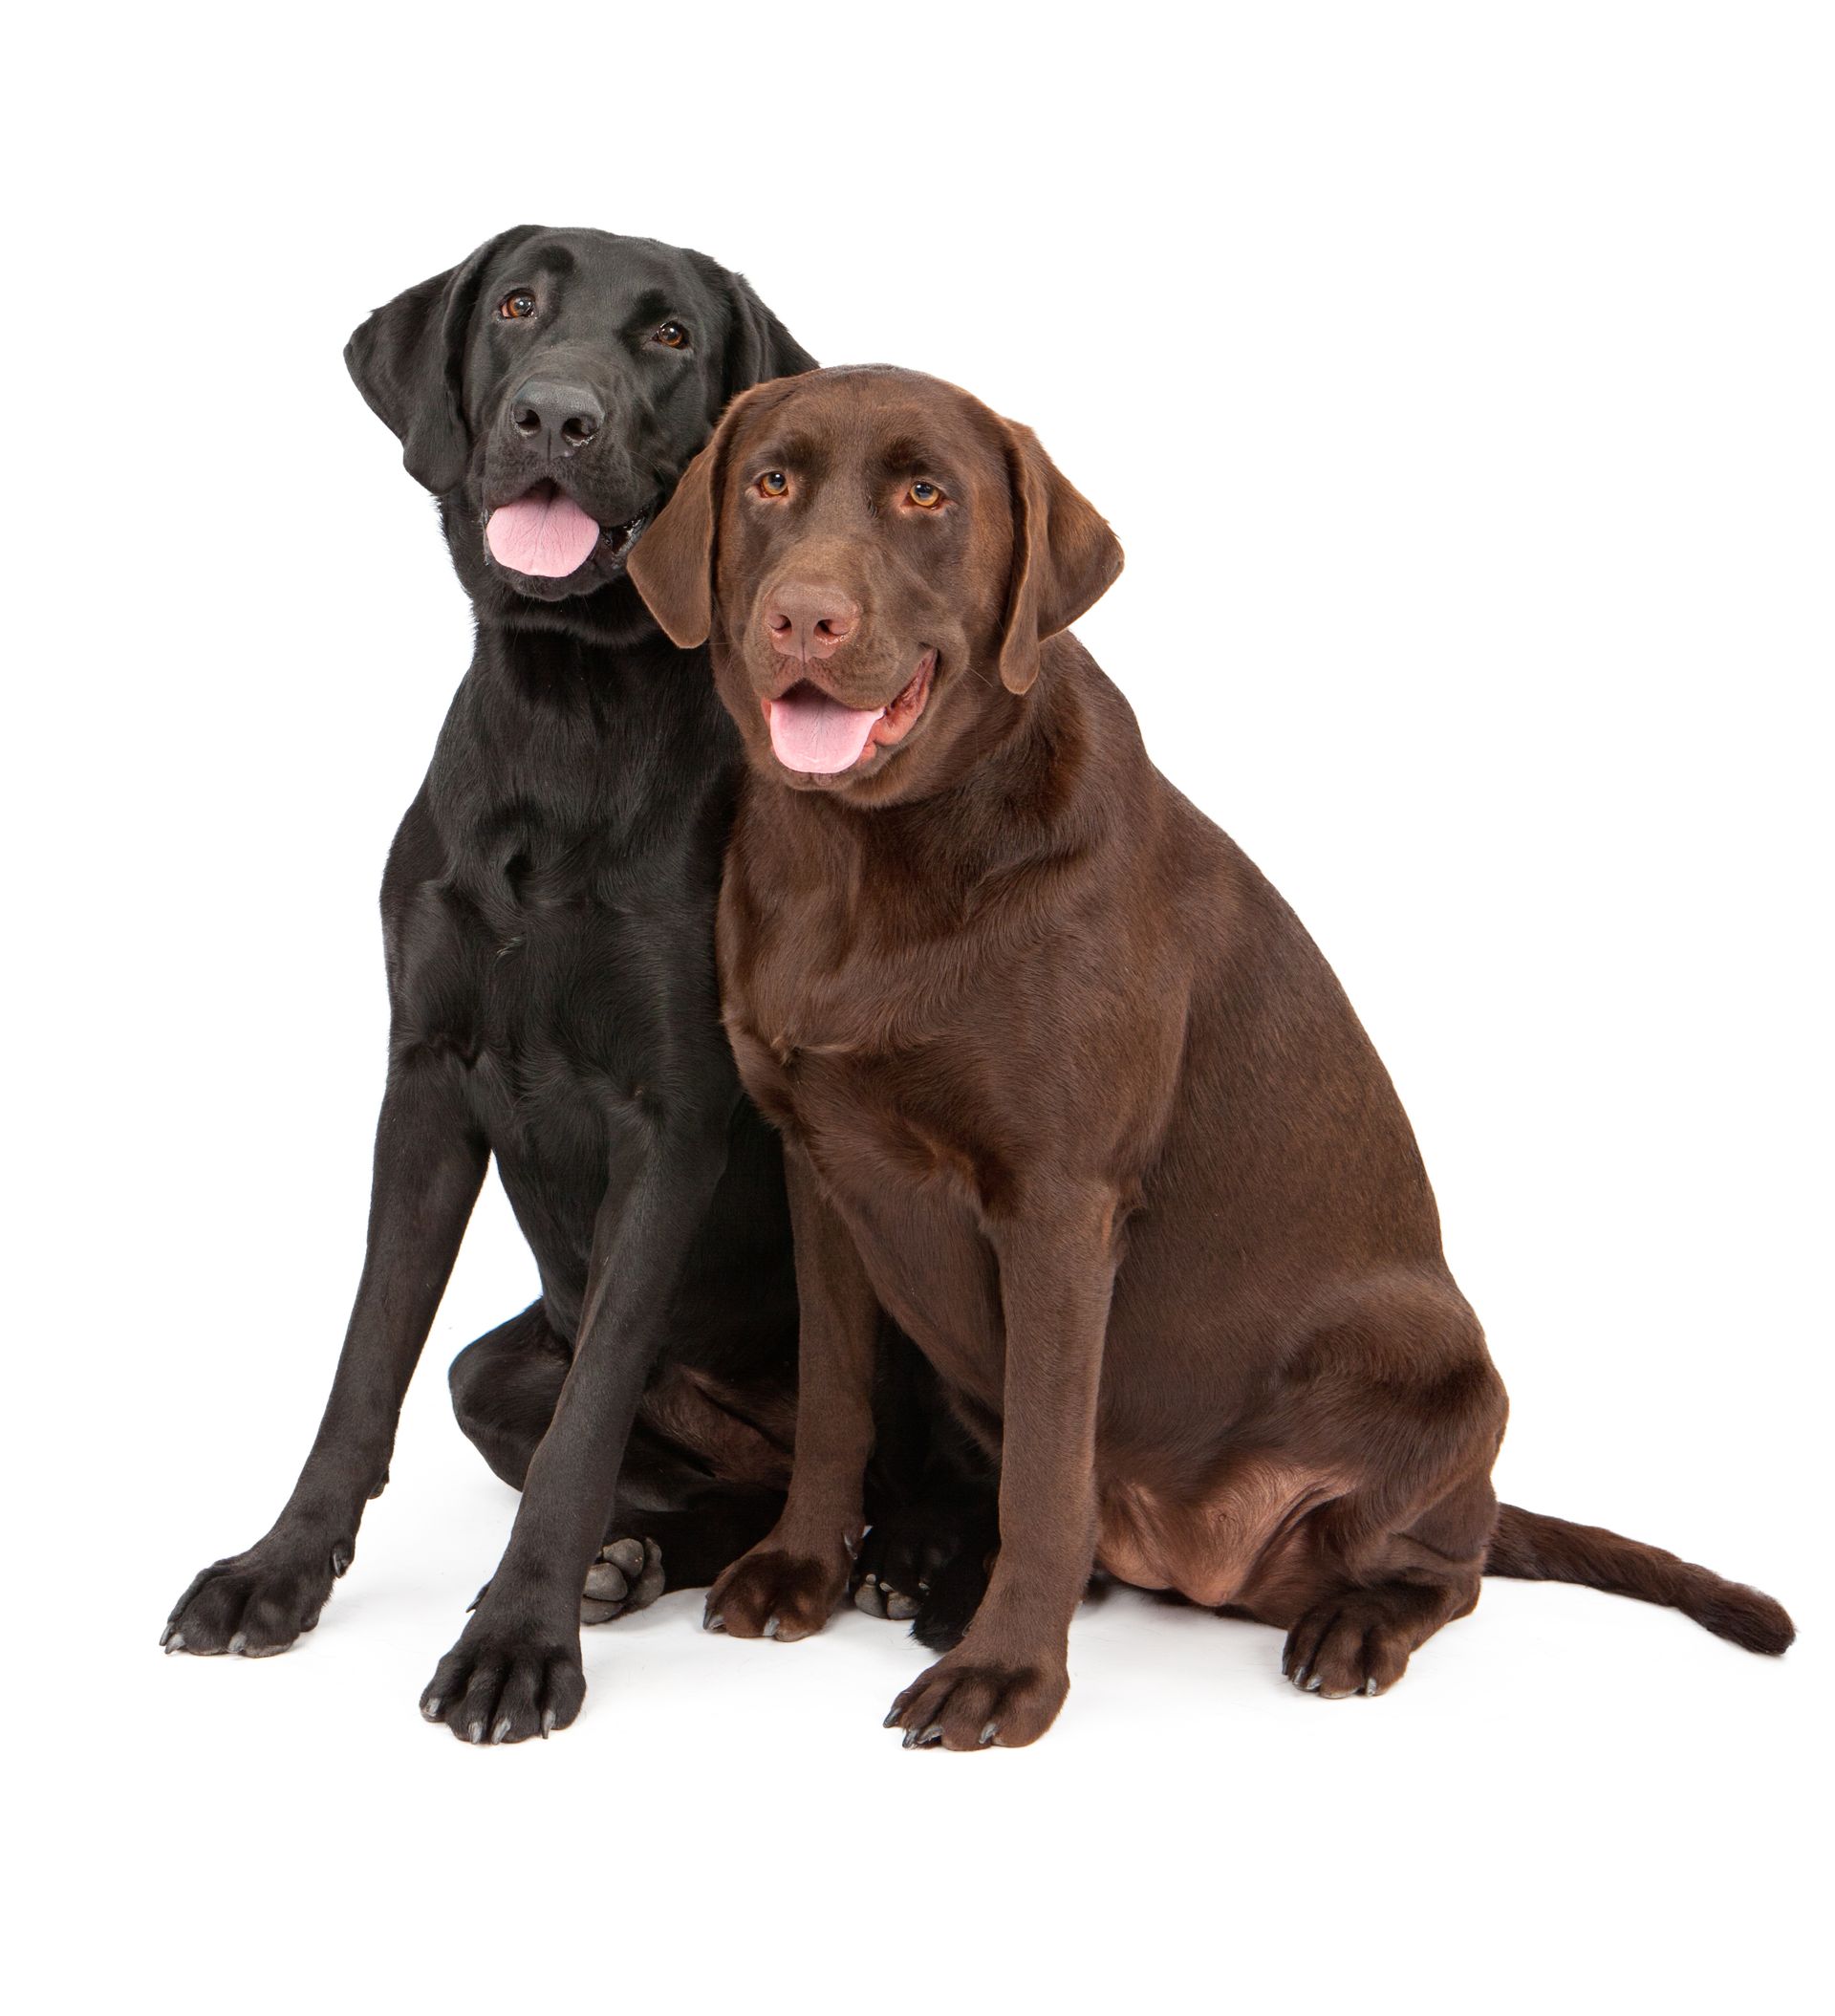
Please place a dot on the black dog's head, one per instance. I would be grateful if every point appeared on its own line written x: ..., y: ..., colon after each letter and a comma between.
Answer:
x: 550, y: 391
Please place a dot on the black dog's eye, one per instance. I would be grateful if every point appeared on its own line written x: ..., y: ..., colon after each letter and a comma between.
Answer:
x: 773, y: 484
x: 517, y: 307
x: 926, y: 496
x: 672, y: 335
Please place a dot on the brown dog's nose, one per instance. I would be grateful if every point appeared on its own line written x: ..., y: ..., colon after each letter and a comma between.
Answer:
x: 805, y: 620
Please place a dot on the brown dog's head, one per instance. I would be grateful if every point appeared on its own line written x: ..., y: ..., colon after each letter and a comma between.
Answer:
x: 876, y: 558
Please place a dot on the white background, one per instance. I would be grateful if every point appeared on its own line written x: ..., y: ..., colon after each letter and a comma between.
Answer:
x: 1458, y: 380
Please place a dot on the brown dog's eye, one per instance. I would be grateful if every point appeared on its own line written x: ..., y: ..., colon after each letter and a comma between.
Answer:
x: 926, y: 496
x: 773, y: 484
x: 517, y: 307
x: 672, y: 335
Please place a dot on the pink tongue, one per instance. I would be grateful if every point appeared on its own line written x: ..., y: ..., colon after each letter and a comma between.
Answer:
x: 813, y: 733
x: 543, y: 534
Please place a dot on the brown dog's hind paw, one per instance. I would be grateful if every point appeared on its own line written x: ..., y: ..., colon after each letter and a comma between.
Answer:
x: 978, y: 1704
x: 1349, y: 1645
x: 626, y: 1574
x: 769, y: 1594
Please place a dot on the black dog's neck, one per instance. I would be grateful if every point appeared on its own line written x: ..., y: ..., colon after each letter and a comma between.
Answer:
x: 545, y: 664
x: 595, y: 742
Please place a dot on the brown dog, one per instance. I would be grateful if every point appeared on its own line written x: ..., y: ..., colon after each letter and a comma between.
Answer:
x: 1068, y: 1089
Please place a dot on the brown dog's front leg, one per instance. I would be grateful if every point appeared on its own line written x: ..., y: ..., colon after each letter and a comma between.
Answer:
x: 1006, y: 1681
x: 791, y: 1582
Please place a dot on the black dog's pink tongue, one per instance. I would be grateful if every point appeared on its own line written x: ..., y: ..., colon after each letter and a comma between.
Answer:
x: 817, y: 735
x: 545, y: 533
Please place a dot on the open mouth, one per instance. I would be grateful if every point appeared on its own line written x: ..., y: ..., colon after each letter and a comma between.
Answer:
x: 813, y: 732
x: 545, y: 533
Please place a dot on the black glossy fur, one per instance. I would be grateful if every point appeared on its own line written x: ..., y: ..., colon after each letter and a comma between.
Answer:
x: 547, y: 911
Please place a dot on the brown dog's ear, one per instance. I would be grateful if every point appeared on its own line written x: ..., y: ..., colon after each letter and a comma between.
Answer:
x: 1065, y: 556
x: 408, y: 358
x: 672, y: 566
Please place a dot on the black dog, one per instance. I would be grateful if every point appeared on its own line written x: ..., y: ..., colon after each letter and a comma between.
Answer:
x: 547, y: 910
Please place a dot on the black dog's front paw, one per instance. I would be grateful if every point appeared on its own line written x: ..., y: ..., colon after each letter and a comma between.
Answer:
x: 626, y: 1575
x: 500, y: 1684
x: 257, y: 1603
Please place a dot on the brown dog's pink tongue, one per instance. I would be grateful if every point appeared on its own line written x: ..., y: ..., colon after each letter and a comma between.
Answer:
x: 541, y: 533
x: 811, y: 733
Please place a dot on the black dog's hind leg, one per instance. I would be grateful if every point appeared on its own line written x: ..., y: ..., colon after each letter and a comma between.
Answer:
x: 931, y: 1503
x: 929, y: 1562
x: 515, y: 1671
x: 504, y: 1391
x: 505, y: 1387
x: 429, y: 1164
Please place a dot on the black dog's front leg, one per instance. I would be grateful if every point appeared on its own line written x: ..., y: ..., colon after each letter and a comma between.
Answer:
x: 429, y: 1164
x: 516, y: 1671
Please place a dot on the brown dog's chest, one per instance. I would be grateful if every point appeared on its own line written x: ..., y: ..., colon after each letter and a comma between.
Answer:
x: 881, y: 1098
x: 883, y: 1086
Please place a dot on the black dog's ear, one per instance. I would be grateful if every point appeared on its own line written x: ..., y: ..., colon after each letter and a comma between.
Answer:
x: 760, y: 347
x: 1065, y: 557
x: 672, y: 565
x: 407, y: 358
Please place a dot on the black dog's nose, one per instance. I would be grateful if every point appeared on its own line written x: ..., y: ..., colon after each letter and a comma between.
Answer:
x: 560, y: 416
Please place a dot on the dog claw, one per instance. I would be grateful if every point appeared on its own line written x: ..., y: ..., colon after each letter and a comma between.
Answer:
x: 502, y: 1730
x: 547, y: 1722
x: 716, y: 1622
x: 770, y: 1627
x: 1313, y: 1684
x: 340, y: 1560
x: 989, y: 1730
x: 430, y: 1708
x: 238, y: 1644
x: 166, y: 1633
x: 476, y: 1732
x: 1369, y: 1685
x: 176, y: 1640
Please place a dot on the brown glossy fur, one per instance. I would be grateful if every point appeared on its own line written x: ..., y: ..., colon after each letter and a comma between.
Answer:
x: 1068, y: 1090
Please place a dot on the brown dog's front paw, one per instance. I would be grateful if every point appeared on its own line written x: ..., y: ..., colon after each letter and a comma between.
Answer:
x: 968, y: 1704
x: 770, y: 1593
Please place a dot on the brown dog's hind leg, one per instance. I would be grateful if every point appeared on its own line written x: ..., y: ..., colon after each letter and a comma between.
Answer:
x: 1401, y: 1399
x: 1357, y: 1640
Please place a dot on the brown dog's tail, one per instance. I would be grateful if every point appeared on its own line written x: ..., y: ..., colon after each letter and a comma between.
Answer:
x: 1533, y: 1547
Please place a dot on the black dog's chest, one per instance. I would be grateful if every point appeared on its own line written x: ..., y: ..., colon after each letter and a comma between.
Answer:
x: 552, y: 968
